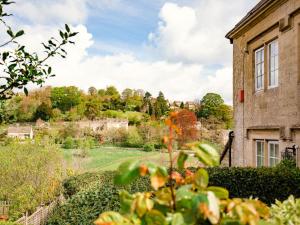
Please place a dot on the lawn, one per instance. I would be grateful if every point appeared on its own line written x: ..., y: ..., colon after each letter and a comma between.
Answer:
x: 109, y: 158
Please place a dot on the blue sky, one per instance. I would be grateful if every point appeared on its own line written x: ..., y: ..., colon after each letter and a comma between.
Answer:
x: 177, y: 47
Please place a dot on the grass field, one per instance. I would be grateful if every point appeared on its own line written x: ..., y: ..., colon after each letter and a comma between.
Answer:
x: 109, y: 158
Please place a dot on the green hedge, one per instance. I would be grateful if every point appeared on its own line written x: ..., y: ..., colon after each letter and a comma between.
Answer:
x: 84, y: 207
x: 75, y: 184
x: 267, y: 184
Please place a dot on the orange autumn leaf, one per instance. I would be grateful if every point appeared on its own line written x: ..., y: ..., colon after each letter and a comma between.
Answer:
x: 158, y: 181
x: 143, y: 170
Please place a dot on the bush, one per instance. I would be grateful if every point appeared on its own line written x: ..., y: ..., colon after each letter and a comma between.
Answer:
x: 69, y: 143
x: 133, y: 138
x: 149, y: 147
x: 74, y: 184
x: 267, y: 184
x: 85, y: 206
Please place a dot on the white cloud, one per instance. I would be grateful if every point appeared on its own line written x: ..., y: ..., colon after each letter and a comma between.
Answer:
x: 196, y: 34
x: 52, y: 11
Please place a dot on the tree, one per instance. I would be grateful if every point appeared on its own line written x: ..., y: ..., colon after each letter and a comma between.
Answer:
x: 92, y: 108
x: 44, y: 112
x: 210, y: 104
x: 161, y: 106
x: 92, y: 91
x: 182, y: 105
x: 21, y: 67
x: 147, y: 103
x: 132, y: 99
x: 65, y: 98
x: 112, y: 98
x: 186, y: 121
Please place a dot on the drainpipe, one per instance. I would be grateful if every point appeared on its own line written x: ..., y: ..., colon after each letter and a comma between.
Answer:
x: 244, y: 52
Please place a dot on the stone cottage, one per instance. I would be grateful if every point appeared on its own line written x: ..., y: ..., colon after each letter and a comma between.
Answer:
x: 20, y: 132
x: 266, y: 83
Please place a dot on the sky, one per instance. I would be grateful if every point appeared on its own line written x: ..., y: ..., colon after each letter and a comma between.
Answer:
x: 177, y: 47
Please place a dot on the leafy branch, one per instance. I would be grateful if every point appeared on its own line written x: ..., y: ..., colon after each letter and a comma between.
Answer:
x: 21, y: 67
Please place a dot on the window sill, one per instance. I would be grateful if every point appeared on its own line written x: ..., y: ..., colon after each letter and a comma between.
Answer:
x: 272, y: 87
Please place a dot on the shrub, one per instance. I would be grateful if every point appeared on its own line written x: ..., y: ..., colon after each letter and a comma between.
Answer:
x: 149, y: 147
x: 267, y: 184
x: 85, y: 206
x: 69, y: 143
x: 133, y: 138
x: 74, y: 184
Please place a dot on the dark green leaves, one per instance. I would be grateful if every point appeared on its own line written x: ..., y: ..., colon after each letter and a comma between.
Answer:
x: 181, y: 160
x: 19, y: 33
x: 127, y: 172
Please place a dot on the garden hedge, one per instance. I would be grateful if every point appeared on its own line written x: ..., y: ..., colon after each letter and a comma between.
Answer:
x: 84, y: 207
x: 93, y: 193
x: 267, y: 184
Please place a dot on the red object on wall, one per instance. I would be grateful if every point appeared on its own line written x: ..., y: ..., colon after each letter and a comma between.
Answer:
x: 241, y: 95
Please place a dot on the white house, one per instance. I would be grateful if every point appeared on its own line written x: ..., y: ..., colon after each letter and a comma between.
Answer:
x: 21, y: 132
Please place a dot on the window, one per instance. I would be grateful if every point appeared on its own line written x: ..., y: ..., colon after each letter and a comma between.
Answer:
x: 259, y: 69
x: 260, y: 153
x: 273, y: 64
x: 273, y: 153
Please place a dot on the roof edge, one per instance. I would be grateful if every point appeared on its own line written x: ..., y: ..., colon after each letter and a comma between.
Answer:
x: 260, y: 7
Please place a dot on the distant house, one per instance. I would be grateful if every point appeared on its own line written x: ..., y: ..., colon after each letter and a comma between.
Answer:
x: 190, y: 106
x: 21, y: 132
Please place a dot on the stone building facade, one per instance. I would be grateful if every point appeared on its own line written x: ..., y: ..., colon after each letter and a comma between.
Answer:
x: 266, y: 83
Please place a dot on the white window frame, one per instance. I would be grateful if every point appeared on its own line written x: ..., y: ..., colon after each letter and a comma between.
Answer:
x: 269, y: 152
x: 263, y: 152
x: 274, y: 70
x: 262, y: 64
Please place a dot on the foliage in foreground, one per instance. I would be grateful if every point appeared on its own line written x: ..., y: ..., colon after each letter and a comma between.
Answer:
x: 30, y: 175
x: 178, y: 199
x: 287, y: 212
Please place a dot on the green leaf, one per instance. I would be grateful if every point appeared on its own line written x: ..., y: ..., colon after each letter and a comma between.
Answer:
x: 181, y: 160
x: 220, y: 192
x: 20, y: 33
x: 201, y: 178
x: 49, y: 70
x: 4, y: 56
x: 206, y: 154
x: 25, y: 91
x: 126, y: 200
x: 155, y: 217
x: 112, y: 218
x: 67, y: 28
x: 10, y: 33
x: 61, y: 34
x: 177, y: 219
x: 127, y: 172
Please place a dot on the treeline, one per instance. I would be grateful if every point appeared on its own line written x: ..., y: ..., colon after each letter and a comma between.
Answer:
x: 72, y: 104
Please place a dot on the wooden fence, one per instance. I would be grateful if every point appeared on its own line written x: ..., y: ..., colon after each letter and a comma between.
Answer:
x: 40, y: 216
x: 4, y: 208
